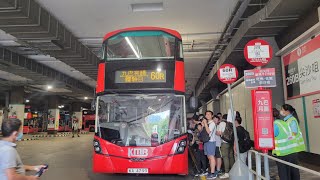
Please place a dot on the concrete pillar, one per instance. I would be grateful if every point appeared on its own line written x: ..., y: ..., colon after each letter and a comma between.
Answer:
x: 53, y: 114
x: 216, y: 106
x: 77, y: 113
x: 277, y: 92
x: 16, y: 103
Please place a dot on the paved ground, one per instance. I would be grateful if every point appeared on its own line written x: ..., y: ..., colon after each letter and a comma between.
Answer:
x: 70, y: 159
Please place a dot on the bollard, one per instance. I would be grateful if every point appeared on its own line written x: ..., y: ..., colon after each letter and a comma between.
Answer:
x: 239, y: 171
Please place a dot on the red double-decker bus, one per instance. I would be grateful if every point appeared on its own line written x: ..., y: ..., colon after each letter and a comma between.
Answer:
x: 88, y: 120
x: 140, y: 105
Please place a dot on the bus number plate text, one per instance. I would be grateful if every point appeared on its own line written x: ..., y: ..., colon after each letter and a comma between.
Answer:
x: 138, y: 170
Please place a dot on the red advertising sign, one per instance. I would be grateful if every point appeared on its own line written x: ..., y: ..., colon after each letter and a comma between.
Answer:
x: 302, y: 69
x: 258, y: 52
x: 227, y: 73
x: 262, y: 119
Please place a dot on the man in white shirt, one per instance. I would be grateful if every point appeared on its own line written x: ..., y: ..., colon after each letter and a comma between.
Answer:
x: 210, y: 146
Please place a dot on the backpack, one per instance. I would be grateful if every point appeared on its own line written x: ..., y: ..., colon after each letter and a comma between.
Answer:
x: 227, y: 134
x: 245, y: 144
x: 204, y: 136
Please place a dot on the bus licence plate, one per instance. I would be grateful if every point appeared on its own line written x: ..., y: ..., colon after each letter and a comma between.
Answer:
x: 138, y: 170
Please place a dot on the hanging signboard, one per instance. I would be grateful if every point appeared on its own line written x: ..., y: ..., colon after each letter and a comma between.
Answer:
x: 301, y: 69
x: 260, y: 78
x: 258, y: 52
x: 262, y: 119
x: 227, y: 73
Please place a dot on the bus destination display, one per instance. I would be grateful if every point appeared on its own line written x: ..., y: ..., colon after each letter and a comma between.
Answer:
x: 140, y: 76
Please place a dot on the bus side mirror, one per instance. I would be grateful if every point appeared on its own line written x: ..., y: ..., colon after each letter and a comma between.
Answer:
x: 193, y: 103
x: 93, y: 105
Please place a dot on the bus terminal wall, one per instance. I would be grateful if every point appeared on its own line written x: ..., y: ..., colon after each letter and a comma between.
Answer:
x: 305, y: 105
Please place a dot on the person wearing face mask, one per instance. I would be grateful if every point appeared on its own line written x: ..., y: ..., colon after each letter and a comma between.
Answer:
x: 288, y: 141
x: 291, y: 118
x: 11, y: 166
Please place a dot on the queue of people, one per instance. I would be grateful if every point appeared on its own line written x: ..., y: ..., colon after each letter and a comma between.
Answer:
x: 217, y: 151
x: 212, y: 142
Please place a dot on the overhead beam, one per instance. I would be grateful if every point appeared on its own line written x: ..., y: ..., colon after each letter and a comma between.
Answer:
x: 31, y: 23
x: 272, y: 12
x: 34, y: 70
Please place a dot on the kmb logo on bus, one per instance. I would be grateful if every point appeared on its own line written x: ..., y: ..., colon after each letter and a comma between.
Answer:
x: 141, y: 152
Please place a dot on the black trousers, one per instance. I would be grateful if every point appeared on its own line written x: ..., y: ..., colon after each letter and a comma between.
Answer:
x: 201, y: 160
x: 286, y: 172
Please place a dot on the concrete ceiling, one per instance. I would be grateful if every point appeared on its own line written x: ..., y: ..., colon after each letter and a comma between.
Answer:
x: 64, y: 37
x: 200, y: 27
x: 94, y: 18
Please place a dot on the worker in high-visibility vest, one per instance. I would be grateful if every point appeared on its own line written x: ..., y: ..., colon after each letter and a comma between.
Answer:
x: 291, y: 117
x: 288, y: 142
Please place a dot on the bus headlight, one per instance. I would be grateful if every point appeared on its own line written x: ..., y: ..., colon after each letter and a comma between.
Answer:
x: 96, y: 146
x: 180, y: 150
x: 181, y: 147
x: 183, y: 143
x: 96, y: 143
x: 97, y: 149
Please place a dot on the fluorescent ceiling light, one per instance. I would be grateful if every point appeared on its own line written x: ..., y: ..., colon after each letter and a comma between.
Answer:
x: 49, y: 87
x: 147, y: 7
x: 85, y: 98
x: 27, y: 100
x: 9, y: 43
x: 133, y: 49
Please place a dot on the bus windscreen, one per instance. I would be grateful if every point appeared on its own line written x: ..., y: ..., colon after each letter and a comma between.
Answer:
x: 140, y: 120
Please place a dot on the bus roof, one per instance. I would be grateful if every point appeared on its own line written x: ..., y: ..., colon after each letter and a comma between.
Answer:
x: 169, y: 31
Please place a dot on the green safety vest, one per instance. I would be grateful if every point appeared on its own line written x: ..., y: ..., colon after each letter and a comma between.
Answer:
x: 299, y: 146
x: 283, y: 144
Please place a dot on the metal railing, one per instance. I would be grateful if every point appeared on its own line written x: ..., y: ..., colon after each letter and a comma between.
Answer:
x: 266, y: 176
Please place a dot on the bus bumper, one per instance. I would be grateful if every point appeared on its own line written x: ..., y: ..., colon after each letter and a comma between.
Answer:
x: 172, y: 164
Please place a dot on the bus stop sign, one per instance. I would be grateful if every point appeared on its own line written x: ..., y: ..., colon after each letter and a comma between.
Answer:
x: 258, y: 52
x: 227, y: 73
x: 262, y: 119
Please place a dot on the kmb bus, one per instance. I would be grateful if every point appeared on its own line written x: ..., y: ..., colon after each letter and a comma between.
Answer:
x: 88, y: 120
x: 140, y: 105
